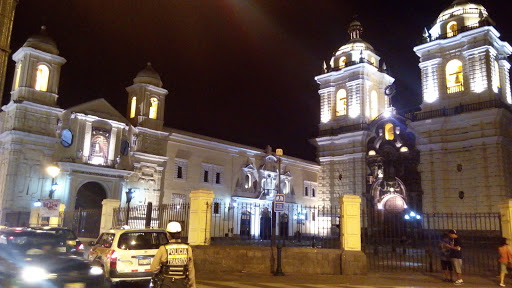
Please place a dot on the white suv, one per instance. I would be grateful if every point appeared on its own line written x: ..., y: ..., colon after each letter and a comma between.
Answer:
x: 126, y: 254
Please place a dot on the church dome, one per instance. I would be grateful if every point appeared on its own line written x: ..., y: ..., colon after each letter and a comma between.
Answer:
x: 42, y: 42
x: 355, y: 51
x: 463, y: 8
x: 148, y: 75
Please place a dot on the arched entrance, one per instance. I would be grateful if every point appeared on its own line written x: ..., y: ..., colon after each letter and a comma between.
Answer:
x: 245, y: 224
x: 90, y: 195
x: 87, y: 216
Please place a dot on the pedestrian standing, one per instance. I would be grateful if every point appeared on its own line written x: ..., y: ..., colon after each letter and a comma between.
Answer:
x: 446, y: 264
x: 456, y: 255
x: 173, y: 264
x: 505, y: 259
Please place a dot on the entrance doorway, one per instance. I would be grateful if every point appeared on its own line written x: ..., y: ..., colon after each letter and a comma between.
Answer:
x: 265, y: 225
x: 87, y: 216
x: 283, y: 225
x: 245, y: 225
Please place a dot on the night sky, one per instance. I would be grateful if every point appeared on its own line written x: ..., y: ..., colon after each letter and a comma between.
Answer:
x: 238, y: 70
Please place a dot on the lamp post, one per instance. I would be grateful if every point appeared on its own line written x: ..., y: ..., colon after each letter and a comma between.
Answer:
x: 53, y: 171
x: 129, y: 197
x: 279, y: 271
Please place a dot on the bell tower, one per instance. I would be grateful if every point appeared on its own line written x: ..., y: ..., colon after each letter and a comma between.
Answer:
x: 351, y: 96
x: 462, y: 59
x: 462, y: 130
x: 37, y: 72
x: 146, y: 100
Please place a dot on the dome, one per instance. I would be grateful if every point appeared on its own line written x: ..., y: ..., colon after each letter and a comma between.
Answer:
x: 355, y: 51
x: 148, y: 75
x: 462, y: 8
x: 42, y: 42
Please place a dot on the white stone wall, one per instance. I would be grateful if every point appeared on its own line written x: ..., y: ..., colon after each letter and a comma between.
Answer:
x: 229, y: 158
x: 480, y: 142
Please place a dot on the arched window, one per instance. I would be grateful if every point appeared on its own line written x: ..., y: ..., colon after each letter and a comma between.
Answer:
x: 497, y: 68
x: 374, y: 104
x: 341, y: 103
x: 451, y: 29
x: 17, y: 79
x: 390, y: 132
x: 374, y: 63
x: 42, y: 77
x: 154, y: 108
x: 133, y: 107
x: 343, y: 62
x: 454, y: 79
x: 248, y: 181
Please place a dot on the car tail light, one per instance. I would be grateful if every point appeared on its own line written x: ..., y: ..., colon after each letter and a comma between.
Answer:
x: 81, y: 247
x: 113, y: 259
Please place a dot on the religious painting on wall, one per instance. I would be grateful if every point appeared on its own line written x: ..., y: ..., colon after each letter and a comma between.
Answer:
x: 99, y: 146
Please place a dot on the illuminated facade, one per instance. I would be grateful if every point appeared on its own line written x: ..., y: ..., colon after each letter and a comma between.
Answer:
x: 465, y: 149
x: 351, y: 96
x: 101, y: 153
x: 454, y: 155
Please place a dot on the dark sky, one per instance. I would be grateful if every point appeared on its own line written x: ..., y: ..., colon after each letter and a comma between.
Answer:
x: 238, y: 70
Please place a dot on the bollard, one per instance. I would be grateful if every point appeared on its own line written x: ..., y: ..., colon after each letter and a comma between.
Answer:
x: 279, y: 270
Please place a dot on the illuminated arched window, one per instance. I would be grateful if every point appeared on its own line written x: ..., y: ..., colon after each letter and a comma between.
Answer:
x: 341, y: 103
x: 343, y: 62
x: 374, y: 63
x: 17, y: 79
x: 454, y: 79
x: 42, y: 77
x: 390, y: 131
x: 154, y: 108
x: 374, y: 104
x: 451, y: 29
x: 133, y: 107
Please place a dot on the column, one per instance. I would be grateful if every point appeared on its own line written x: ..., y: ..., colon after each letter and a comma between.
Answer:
x: 353, y: 260
x: 107, y: 213
x: 200, y: 217
x: 506, y: 215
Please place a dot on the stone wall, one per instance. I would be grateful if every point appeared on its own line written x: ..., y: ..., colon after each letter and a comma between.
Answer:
x: 257, y: 260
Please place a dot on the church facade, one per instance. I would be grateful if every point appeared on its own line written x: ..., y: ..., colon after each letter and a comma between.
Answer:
x: 452, y: 156
x: 101, y: 154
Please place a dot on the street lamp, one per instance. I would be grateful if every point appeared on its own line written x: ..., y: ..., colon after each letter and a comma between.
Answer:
x: 129, y: 197
x: 53, y: 171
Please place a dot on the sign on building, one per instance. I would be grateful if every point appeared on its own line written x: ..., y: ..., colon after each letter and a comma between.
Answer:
x: 50, y: 208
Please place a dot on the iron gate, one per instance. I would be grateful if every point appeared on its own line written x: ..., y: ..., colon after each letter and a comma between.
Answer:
x: 86, y: 223
x: 393, y: 243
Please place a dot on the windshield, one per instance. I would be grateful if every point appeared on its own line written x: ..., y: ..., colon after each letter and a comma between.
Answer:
x: 33, y: 242
x: 142, y: 240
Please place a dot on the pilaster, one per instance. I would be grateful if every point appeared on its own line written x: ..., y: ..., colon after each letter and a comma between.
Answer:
x: 200, y: 217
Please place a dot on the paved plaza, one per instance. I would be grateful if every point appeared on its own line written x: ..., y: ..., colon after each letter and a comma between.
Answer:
x: 372, y: 280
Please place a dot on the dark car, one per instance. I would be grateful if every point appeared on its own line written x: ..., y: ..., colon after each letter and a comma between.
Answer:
x: 73, y: 244
x: 38, y: 258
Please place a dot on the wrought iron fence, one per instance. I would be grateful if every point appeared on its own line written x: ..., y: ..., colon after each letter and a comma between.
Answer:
x: 157, y: 216
x: 393, y: 243
x: 250, y: 223
x: 86, y: 223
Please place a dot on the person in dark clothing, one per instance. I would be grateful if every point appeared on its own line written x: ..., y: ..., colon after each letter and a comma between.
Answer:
x: 446, y: 264
x: 456, y: 255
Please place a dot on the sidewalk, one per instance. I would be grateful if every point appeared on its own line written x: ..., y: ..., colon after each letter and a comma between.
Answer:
x: 381, y: 280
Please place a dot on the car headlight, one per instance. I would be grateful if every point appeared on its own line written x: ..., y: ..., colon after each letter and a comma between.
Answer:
x: 95, y: 270
x: 34, y: 274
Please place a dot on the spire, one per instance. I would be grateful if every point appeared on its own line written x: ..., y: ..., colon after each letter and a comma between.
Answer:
x: 355, y: 30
